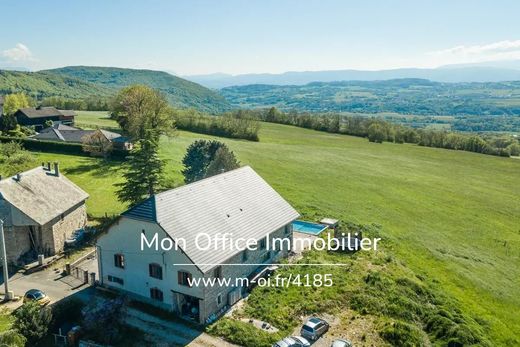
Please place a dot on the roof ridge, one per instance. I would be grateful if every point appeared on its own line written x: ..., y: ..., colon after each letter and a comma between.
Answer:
x: 192, y: 184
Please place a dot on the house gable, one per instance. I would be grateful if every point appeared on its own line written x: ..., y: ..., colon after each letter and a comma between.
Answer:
x: 124, y: 237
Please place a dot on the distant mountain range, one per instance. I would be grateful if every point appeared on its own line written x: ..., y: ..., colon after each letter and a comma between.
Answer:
x: 77, y: 82
x: 481, y: 72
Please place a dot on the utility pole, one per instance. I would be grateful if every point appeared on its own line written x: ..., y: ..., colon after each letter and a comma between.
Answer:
x: 4, y: 261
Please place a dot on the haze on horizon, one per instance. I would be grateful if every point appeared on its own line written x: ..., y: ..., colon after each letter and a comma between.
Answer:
x: 238, y: 37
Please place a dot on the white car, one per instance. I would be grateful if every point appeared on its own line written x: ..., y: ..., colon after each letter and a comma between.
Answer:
x: 314, y: 328
x: 293, y: 341
x: 341, y: 343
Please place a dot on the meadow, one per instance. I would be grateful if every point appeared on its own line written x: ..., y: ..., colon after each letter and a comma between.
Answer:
x: 453, y: 216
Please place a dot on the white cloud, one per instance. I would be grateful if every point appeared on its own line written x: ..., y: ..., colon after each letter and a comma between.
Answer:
x: 500, y: 50
x: 18, y: 53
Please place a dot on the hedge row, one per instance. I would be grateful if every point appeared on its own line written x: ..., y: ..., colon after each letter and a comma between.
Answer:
x: 56, y: 147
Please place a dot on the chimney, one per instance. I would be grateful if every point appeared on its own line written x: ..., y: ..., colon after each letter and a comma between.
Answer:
x: 56, y: 169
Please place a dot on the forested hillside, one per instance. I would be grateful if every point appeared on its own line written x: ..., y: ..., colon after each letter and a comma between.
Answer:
x: 180, y: 92
x: 44, y: 84
x: 401, y: 96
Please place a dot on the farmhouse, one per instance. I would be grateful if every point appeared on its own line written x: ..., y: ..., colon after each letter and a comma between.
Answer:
x: 40, y: 209
x: 237, y: 203
x: 66, y: 133
x: 38, y: 116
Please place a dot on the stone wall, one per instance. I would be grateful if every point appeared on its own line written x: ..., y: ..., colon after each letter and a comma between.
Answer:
x: 17, y: 242
x: 48, y: 239
x: 260, y: 256
x: 59, y: 229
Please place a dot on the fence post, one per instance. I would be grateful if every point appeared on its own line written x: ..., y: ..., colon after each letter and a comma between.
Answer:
x: 85, y: 276
x: 67, y: 269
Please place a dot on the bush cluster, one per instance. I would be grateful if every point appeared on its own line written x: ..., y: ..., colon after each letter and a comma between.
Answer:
x: 238, y: 125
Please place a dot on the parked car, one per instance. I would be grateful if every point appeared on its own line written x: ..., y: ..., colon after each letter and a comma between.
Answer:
x: 36, y: 295
x: 341, y: 343
x: 293, y: 341
x: 314, y: 328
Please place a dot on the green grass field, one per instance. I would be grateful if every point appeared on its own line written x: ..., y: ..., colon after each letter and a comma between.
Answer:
x: 455, y: 216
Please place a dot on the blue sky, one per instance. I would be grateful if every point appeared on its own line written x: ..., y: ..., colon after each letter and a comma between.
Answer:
x: 239, y: 36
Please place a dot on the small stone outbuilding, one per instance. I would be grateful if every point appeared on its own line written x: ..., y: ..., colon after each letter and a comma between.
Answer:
x: 40, y: 209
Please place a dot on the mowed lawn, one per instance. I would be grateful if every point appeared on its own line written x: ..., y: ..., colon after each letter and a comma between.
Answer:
x: 454, y: 215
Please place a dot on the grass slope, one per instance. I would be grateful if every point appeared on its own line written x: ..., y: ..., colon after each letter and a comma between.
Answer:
x: 44, y: 84
x: 180, y: 92
x: 454, y: 216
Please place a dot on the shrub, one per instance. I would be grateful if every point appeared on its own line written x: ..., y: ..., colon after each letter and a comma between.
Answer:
x: 32, y: 321
x: 402, y: 334
x: 12, y: 338
x: 242, y: 333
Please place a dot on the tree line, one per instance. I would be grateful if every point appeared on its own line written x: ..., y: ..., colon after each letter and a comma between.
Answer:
x: 239, y: 124
x: 378, y: 130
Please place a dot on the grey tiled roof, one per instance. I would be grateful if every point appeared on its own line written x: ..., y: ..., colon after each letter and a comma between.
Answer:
x: 42, y: 112
x: 70, y: 134
x: 41, y: 195
x: 32, y: 112
x: 239, y: 202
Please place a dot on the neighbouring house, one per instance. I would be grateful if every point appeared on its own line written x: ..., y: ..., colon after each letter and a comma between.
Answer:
x: 238, y: 202
x: 40, y: 208
x: 38, y: 116
x: 66, y: 133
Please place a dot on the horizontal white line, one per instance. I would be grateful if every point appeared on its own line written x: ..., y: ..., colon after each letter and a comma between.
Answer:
x: 240, y: 264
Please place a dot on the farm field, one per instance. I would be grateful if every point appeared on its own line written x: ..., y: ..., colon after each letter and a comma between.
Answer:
x: 454, y: 216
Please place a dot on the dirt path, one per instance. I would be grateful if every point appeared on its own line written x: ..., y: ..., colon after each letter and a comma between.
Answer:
x: 162, y: 333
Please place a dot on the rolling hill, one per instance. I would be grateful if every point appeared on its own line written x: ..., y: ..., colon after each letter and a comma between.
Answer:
x: 404, y: 96
x: 180, y: 92
x: 43, y: 84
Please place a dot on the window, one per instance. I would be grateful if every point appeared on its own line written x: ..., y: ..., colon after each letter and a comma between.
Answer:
x: 156, y: 294
x: 217, y: 273
x: 155, y: 271
x: 263, y: 243
x: 115, y: 279
x: 119, y: 261
x: 219, y: 299
x: 244, y: 255
x: 184, y: 278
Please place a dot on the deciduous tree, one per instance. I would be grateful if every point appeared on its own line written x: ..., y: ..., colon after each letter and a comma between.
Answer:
x: 97, y: 144
x: 14, y: 102
x: 143, y: 112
